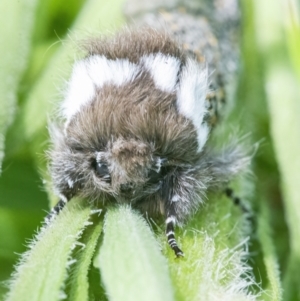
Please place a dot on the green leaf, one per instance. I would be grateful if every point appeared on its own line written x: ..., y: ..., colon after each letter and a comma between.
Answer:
x: 16, y: 32
x: 214, y: 267
x: 282, y: 87
x: 130, y: 260
x: 215, y: 244
x: 78, y: 280
x: 42, y: 270
x: 274, y: 290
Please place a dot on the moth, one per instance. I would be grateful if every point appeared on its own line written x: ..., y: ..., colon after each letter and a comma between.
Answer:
x: 136, y: 120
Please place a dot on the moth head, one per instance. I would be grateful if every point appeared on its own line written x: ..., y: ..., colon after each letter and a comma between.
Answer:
x: 125, y: 169
x: 130, y: 167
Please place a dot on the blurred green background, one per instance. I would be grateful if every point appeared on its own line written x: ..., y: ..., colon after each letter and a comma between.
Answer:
x: 35, y: 59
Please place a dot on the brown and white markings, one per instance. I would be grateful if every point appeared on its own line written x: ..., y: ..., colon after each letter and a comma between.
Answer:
x: 135, y: 130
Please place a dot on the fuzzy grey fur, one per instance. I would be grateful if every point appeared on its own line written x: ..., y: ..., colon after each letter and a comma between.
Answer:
x: 130, y: 143
x: 135, y: 128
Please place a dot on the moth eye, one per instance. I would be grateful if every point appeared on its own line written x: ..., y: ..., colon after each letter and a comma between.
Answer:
x: 78, y: 148
x: 153, y: 176
x: 102, y: 170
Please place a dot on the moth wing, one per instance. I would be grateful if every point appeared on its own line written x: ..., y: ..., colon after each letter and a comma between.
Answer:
x: 91, y: 74
x: 191, y: 97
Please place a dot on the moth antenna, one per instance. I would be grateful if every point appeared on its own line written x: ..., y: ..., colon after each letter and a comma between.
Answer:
x: 236, y: 200
x: 56, y: 209
x: 170, y: 224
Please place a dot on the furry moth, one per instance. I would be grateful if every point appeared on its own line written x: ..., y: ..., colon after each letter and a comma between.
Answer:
x: 136, y: 121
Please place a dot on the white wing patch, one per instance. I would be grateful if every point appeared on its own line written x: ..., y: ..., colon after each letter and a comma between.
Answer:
x: 191, y: 94
x: 80, y: 90
x: 117, y: 72
x: 91, y: 73
x: 164, y: 70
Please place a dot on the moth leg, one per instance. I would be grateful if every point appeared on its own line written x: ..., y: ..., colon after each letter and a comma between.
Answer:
x: 56, y: 209
x: 236, y: 200
x: 170, y: 225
